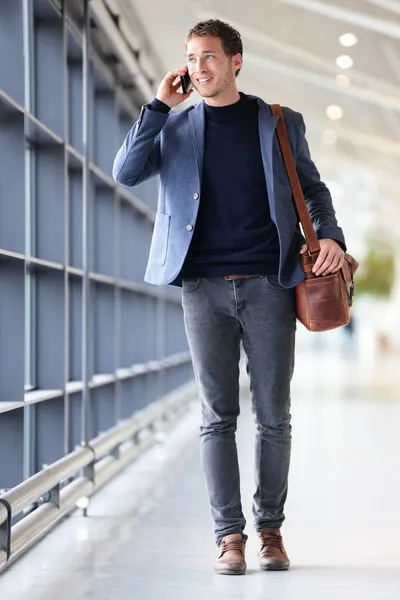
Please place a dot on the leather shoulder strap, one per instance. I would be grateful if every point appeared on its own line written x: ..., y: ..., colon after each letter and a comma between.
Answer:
x: 300, y: 203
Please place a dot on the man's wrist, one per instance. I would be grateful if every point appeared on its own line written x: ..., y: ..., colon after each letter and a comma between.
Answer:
x: 159, y: 106
x: 340, y: 244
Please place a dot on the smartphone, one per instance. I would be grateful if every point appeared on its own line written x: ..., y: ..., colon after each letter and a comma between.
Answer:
x: 186, y: 83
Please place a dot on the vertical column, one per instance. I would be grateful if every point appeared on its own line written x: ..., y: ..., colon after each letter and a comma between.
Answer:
x: 118, y: 307
x: 85, y: 224
x: 66, y: 407
x: 28, y: 47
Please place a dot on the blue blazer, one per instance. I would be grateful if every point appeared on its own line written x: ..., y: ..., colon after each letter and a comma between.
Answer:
x: 172, y: 146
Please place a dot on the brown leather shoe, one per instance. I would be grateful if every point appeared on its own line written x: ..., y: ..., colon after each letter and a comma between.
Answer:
x: 231, y: 559
x: 272, y: 553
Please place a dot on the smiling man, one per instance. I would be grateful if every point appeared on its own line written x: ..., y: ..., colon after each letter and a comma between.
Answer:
x: 226, y: 231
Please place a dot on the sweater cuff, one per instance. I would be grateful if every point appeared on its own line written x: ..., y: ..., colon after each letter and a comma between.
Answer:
x: 159, y: 106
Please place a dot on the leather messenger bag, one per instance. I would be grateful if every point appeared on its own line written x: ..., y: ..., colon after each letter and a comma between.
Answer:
x: 323, y: 302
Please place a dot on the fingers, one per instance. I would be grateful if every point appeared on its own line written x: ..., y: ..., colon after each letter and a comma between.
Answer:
x: 330, y: 258
x: 332, y: 268
x: 328, y: 262
x: 172, y: 75
x: 320, y: 262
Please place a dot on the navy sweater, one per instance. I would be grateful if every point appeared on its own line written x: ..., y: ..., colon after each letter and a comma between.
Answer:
x: 234, y: 233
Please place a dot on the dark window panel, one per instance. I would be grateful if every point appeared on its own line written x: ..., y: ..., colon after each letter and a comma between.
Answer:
x: 75, y: 218
x: 45, y: 9
x: 105, y: 145
x: 138, y: 331
x: 103, y: 242
x: 11, y: 448
x: 125, y: 122
x: 50, y: 203
x: 128, y: 322
x: 175, y: 335
x: 12, y: 184
x: 138, y: 400
x: 12, y: 326
x: 151, y: 388
x: 126, y: 398
x: 49, y: 432
x: 75, y: 329
x: 102, y: 409
x: 75, y: 420
x: 11, y: 45
x: 74, y: 47
x: 49, y: 50
x: 103, y: 332
x: 134, y: 239
x: 151, y: 328
x: 50, y: 329
x: 74, y: 134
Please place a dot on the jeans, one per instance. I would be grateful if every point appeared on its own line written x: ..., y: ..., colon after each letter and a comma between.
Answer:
x: 219, y: 314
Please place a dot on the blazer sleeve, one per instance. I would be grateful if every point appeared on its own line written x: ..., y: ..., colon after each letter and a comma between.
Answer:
x: 316, y: 194
x: 139, y: 157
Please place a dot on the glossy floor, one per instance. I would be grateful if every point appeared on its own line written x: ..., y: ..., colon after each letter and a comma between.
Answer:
x: 149, y: 534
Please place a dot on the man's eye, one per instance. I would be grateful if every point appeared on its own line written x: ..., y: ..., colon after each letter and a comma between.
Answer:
x: 210, y: 56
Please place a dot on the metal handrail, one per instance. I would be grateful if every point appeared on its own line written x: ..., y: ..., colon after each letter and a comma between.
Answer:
x: 33, y: 488
x: 100, y: 460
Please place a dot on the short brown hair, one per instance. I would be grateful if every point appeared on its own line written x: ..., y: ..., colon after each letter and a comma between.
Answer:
x: 230, y: 37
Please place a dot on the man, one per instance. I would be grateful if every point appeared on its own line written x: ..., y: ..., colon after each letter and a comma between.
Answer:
x: 226, y: 230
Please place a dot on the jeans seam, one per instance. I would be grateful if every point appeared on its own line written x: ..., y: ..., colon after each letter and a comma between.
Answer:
x: 235, y: 298
x: 238, y: 469
x: 255, y: 404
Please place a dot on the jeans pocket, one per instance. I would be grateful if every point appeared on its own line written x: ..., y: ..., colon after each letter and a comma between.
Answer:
x: 273, y: 282
x: 190, y: 284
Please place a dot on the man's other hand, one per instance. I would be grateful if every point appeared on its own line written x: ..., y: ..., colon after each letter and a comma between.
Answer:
x: 330, y: 259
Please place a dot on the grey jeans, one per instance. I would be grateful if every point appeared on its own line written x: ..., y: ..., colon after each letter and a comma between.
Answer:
x: 219, y: 314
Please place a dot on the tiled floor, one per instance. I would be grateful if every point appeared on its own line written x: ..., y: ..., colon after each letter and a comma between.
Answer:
x: 149, y: 534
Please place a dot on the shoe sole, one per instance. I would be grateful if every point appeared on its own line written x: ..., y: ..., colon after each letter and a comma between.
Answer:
x: 274, y: 568
x: 227, y: 572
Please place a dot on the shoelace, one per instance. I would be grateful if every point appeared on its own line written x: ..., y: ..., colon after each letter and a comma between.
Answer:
x: 234, y: 545
x: 272, y: 540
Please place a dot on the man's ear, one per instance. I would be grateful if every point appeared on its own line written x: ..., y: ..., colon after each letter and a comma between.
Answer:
x: 237, y: 61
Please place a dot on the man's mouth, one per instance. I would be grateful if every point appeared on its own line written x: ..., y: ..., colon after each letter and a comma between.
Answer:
x: 204, y: 80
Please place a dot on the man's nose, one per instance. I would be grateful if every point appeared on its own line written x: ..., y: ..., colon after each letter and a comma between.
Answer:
x: 200, y: 65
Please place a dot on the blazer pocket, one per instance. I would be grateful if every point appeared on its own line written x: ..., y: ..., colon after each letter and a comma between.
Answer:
x: 159, y: 242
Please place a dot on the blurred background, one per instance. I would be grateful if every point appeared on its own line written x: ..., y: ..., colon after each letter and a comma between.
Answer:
x: 94, y: 365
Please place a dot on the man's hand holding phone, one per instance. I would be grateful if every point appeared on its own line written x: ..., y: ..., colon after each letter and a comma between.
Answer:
x: 168, y: 89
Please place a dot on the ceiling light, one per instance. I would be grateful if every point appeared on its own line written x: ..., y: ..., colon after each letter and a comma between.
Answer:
x: 329, y: 137
x: 345, y: 61
x: 348, y: 39
x: 334, y: 112
x: 343, y: 80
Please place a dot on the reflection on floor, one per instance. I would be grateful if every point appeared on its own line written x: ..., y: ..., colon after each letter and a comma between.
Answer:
x: 149, y: 534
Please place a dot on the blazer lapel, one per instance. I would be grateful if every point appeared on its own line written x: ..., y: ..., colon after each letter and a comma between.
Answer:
x: 197, y: 128
x: 266, y: 127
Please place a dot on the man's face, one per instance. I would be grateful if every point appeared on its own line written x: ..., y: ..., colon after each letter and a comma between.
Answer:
x: 210, y: 70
